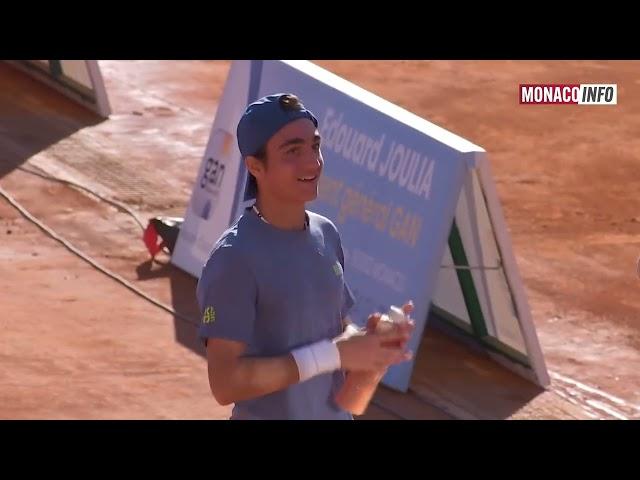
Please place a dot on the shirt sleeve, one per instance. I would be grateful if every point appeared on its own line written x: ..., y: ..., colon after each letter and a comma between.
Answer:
x: 226, y: 295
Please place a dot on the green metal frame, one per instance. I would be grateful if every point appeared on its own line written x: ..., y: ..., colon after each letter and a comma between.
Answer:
x: 478, y: 329
x: 465, y: 279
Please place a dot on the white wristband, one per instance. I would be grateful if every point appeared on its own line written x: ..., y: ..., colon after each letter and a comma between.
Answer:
x: 316, y: 359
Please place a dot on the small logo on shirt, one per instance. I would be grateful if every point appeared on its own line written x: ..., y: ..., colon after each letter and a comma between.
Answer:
x: 209, y: 315
x: 337, y: 269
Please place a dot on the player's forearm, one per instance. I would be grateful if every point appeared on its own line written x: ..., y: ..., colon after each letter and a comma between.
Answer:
x: 252, y: 377
x: 244, y: 378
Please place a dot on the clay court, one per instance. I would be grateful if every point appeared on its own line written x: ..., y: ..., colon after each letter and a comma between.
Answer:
x: 78, y: 345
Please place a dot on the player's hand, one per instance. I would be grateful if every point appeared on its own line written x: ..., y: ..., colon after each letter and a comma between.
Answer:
x: 373, y: 351
x: 404, y: 327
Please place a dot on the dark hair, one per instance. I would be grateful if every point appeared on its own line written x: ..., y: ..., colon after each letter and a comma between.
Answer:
x: 262, y: 156
x: 291, y: 102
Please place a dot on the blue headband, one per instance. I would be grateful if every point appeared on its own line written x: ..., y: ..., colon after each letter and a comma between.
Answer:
x: 263, y: 119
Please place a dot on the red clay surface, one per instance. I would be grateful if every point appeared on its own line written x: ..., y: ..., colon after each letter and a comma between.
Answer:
x: 76, y: 344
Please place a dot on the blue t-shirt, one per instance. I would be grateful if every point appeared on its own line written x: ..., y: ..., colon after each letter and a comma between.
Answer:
x: 276, y: 290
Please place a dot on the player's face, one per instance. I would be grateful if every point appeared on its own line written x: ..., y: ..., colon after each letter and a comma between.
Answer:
x: 294, y: 163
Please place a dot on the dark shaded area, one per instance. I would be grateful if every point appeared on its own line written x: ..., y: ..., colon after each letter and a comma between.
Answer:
x: 34, y: 116
x: 454, y: 370
x: 183, y: 301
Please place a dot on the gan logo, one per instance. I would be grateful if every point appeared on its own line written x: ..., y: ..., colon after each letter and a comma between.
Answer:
x: 209, y: 315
